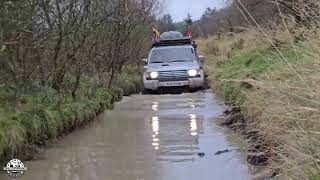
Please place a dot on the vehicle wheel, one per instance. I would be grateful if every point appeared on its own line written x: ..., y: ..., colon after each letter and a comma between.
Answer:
x: 146, y: 91
x: 193, y: 90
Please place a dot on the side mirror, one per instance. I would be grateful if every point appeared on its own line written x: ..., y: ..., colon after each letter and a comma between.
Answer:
x: 145, y: 61
x: 201, y: 57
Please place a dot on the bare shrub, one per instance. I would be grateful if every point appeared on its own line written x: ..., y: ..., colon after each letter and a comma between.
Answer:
x: 284, y: 103
x: 47, y: 41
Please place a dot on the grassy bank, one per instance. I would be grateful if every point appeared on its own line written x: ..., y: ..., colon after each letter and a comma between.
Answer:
x: 276, y: 84
x: 41, y: 114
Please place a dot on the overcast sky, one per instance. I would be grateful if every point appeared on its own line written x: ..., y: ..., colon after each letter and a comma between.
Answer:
x: 180, y: 8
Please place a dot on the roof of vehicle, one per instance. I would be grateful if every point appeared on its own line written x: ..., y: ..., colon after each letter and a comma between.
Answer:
x: 175, y: 46
x: 172, y: 42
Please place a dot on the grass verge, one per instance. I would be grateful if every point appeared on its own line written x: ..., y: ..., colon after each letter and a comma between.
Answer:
x: 276, y: 86
x: 40, y: 114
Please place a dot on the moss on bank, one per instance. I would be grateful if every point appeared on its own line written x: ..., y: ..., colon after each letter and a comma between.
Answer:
x: 41, y: 114
x: 277, y: 87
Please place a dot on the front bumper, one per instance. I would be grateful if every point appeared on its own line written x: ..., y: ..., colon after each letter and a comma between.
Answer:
x: 191, y: 83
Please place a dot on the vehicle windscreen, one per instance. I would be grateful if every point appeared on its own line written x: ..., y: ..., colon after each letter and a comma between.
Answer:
x: 172, y: 55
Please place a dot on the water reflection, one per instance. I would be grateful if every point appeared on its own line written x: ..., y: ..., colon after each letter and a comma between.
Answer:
x: 155, y: 106
x: 145, y: 137
x: 179, y: 136
x: 155, y: 130
x: 191, y: 104
x: 193, y: 124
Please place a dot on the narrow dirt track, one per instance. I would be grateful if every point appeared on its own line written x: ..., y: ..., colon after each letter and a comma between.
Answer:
x: 154, y: 137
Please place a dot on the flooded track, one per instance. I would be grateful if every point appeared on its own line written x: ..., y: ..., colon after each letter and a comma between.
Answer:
x: 146, y: 137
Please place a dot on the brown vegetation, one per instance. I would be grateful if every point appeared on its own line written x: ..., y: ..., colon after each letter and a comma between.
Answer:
x: 268, y: 14
x: 278, y: 95
x: 269, y: 69
x: 47, y: 41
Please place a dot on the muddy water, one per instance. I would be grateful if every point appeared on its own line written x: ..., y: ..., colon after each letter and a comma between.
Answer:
x: 146, y: 137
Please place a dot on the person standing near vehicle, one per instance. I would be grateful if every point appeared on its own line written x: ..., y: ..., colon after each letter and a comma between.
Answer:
x: 189, y: 31
x: 155, y: 35
x: 194, y: 44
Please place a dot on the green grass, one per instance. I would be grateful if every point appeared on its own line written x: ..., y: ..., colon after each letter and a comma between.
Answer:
x: 250, y: 65
x: 277, y: 91
x: 41, y: 114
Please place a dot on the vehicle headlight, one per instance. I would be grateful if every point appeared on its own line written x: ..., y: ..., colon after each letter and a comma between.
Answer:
x: 152, y: 75
x: 193, y: 72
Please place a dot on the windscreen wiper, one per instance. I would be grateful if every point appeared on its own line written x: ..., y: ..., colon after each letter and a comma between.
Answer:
x: 157, y: 62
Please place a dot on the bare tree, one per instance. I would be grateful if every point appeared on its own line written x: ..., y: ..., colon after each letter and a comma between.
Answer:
x: 47, y: 41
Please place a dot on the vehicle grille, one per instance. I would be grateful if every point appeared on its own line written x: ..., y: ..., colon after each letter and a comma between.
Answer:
x: 178, y: 75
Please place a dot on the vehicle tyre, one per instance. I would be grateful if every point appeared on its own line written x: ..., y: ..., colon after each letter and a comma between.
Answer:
x: 146, y: 91
x: 193, y: 90
x: 149, y: 91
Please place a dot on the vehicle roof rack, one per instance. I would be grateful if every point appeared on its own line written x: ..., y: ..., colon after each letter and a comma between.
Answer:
x: 172, y: 42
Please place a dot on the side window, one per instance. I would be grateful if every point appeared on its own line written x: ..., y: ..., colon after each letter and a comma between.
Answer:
x: 197, y: 56
x: 198, y: 59
x: 194, y: 52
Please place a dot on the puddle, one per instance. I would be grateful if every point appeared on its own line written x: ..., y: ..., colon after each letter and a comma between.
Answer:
x: 156, y: 137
